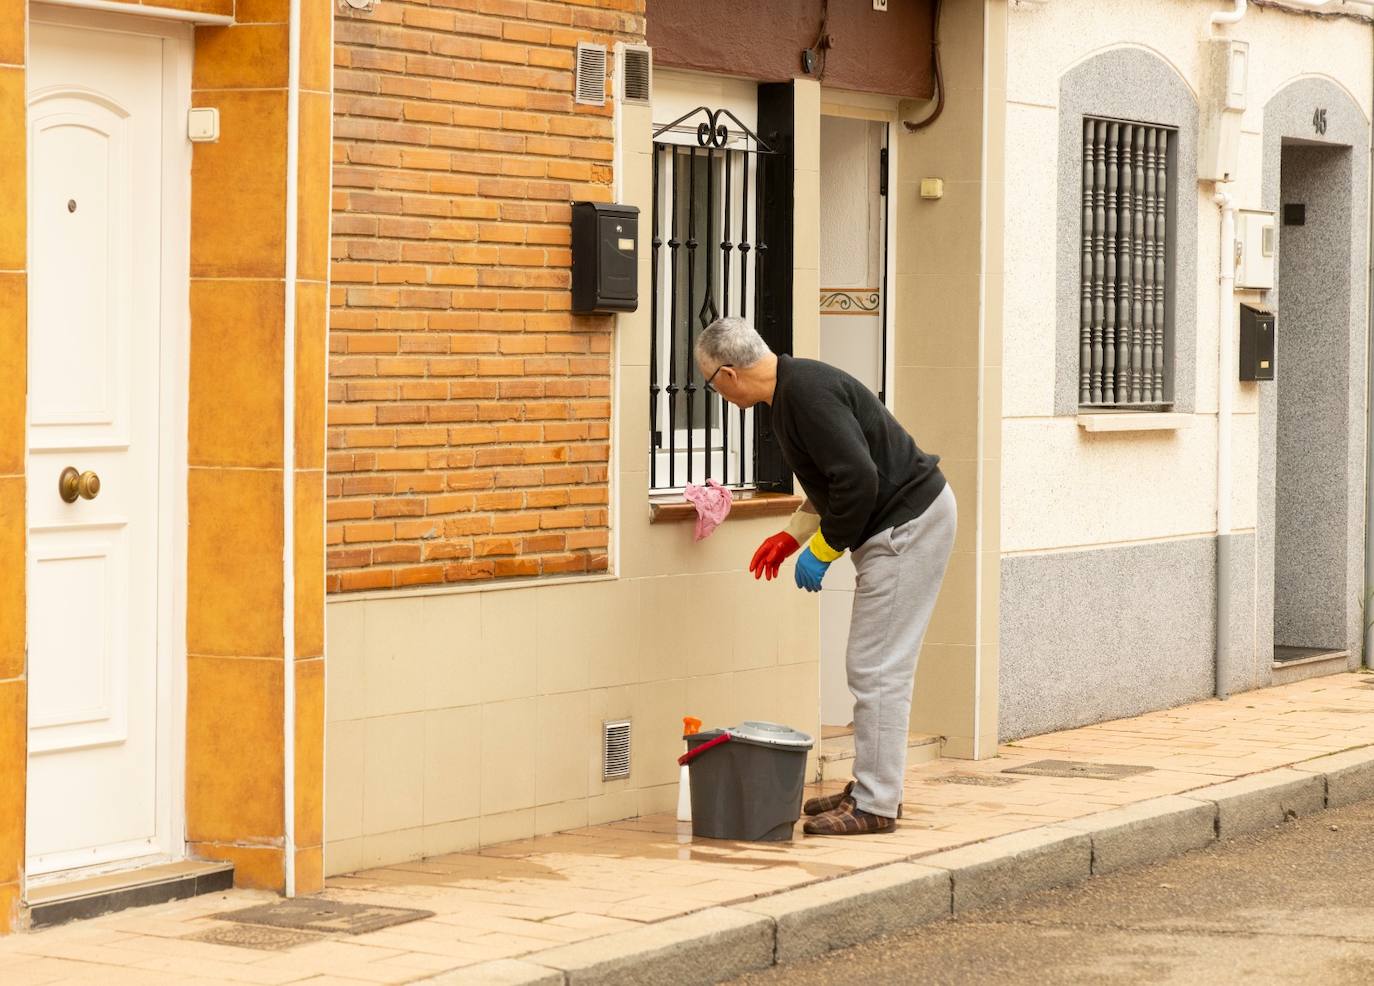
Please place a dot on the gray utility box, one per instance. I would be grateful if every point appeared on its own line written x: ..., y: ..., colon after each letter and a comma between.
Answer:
x: 1257, y: 342
x: 605, y: 258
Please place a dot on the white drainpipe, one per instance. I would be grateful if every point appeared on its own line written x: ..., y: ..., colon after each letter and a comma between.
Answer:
x: 1226, y: 370
x: 1230, y: 16
x: 1238, y: 11
x: 1366, y: 630
x: 293, y: 99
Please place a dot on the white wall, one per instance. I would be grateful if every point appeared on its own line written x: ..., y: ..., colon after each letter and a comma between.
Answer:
x: 1130, y: 487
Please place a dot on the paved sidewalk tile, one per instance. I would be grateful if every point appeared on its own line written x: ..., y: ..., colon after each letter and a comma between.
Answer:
x: 502, y: 912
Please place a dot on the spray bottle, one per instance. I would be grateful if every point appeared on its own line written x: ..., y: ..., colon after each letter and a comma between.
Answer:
x: 691, y: 725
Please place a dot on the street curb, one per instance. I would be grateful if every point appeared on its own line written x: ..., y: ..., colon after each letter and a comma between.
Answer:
x: 821, y: 917
x: 1349, y: 775
x: 1248, y: 804
x: 1014, y: 865
x: 1147, y: 831
x: 703, y: 947
x: 722, y: 943
x: 500, y: 972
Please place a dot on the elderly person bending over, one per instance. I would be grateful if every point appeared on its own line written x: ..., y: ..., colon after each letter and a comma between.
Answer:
x: 869, y: 490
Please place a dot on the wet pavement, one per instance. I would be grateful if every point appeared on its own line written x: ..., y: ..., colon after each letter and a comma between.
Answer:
x: 516, y: 899
x: 1291, y: 905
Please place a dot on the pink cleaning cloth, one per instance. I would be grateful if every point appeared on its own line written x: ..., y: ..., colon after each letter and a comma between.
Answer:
x: 713, y: 505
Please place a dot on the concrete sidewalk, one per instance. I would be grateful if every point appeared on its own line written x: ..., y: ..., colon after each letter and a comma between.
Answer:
x: 641, y: 901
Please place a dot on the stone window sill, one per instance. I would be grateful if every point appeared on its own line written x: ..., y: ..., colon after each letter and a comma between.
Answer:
x: 665, y: 510
x: 1134, y: 421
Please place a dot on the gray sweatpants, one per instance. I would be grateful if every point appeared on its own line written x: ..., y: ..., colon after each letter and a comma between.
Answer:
x: 899, y: 575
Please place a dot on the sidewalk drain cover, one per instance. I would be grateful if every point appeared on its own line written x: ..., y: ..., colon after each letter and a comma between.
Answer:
x: 977, y: 780
x: 1077, y: 768
x: 254, y: 936
x: 325, y: 916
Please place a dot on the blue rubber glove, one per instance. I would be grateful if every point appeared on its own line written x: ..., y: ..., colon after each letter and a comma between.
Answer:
x: 810, y: 570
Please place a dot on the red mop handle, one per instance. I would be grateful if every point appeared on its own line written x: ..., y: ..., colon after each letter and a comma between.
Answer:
x: 695, y: 752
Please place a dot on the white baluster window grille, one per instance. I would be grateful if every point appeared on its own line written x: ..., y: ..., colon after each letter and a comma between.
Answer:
x: 1126, y: 348
x: 707, y: 257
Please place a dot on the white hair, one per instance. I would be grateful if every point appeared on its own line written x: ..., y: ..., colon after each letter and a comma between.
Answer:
x: 730, y: 340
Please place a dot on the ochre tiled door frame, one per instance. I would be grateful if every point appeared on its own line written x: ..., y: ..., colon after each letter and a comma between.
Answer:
x: 236, y: 782
x: 13, y: 371
x: 235, y: 586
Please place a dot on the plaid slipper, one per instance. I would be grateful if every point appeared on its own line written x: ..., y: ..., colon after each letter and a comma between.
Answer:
x: 848, y: 819
x: 815, y: 806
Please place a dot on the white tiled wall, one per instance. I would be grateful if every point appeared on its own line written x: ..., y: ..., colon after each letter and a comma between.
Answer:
x: 464, y: 719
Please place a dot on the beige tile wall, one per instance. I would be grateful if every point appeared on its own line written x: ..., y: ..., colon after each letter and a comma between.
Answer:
x: 946, y: 380
x: 459, y: 719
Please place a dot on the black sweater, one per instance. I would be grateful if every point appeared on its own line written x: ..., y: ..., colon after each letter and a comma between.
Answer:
x: 860, y: 469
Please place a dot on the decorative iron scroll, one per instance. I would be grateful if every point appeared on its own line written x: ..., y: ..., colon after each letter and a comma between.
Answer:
x: 711, y: 132
x: 864, y: 301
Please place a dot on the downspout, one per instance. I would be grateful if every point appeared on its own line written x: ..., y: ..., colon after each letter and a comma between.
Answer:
x: 293, y: 100
x: 1366, y: 636
x: 1230, y: 16
x: 1226, y: 366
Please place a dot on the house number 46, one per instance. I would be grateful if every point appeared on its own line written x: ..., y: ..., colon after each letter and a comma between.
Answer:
x: 1319, y: 120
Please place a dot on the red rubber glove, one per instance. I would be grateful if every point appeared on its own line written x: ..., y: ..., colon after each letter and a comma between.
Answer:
x: 772, y: 553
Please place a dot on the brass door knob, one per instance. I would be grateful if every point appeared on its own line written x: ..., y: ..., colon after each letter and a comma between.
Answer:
x: 73, y: 485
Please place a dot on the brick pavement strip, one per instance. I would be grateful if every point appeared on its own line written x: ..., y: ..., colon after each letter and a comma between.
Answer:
x: 740, y: 924
x: 807, y: 921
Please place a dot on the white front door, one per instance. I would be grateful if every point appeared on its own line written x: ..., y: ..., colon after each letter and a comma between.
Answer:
x: 97, y: 785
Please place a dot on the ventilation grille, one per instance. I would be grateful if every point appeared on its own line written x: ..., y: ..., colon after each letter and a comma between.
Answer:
x: 591, y: 74
x: 615, y: 749
x: 637, y: 63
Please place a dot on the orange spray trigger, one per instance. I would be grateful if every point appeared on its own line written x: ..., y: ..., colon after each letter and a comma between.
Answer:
x: 691, y: 725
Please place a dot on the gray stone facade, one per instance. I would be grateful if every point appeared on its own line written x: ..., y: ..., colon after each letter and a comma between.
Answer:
x: 1312, y: 416
x: 1113, y: 632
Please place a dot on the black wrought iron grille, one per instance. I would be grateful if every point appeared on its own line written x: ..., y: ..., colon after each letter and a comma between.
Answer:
x: 1126, y: 321
x: 708, y: 255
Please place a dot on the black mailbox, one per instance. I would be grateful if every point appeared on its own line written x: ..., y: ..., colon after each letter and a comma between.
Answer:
x: 605, y: 255
x: 1257, y: 326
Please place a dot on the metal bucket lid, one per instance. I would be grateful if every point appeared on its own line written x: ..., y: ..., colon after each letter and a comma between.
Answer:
x: 769, y: 734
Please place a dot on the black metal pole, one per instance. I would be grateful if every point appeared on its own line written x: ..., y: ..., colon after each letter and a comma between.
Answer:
x: 653, y: 334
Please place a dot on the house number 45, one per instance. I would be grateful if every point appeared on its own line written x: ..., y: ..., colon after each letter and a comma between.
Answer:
x: 1319, y: 120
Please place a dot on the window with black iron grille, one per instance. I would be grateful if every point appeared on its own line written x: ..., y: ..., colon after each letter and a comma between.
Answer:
x: 709, y: 254
x: 1126, y: 322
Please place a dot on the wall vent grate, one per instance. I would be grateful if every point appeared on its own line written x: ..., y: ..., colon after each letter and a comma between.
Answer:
x: 615, y: 749
x: 636, y: 73
x: 591, y: 74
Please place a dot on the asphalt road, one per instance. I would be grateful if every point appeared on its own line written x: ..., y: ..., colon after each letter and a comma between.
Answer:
x: 1294, y: 904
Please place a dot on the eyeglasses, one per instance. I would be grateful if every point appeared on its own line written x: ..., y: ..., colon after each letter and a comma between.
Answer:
x: 713, y: 376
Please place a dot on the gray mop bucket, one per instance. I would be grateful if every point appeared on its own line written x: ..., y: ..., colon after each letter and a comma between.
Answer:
x: 747, y: 781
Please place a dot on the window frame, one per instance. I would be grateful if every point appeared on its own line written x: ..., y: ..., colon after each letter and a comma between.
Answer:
x: 1122, y: 83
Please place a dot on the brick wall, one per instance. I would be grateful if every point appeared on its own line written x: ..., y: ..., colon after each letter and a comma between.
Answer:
x: 469, y: 412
